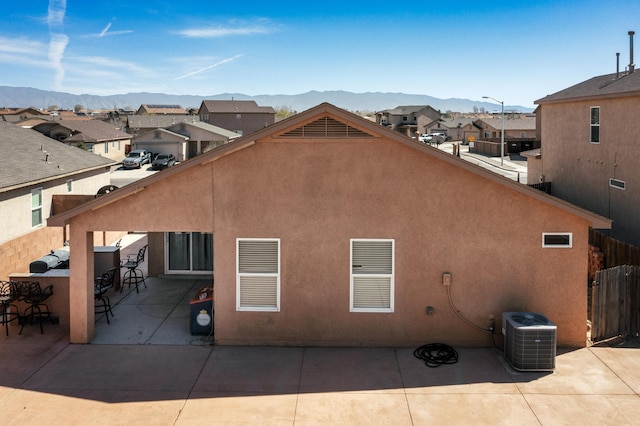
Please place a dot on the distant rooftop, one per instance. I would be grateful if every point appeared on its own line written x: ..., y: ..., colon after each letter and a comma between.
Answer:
x: 29, y: 157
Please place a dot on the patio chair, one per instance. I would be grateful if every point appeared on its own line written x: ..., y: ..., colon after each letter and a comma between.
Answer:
x: 100, y: 287
x: 133, y: 275
x: 8, y: 310
x: 35, y: 296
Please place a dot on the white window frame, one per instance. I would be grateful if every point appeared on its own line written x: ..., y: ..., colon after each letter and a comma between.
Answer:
x: 592, y: 125
x: 547, y: 244
x: 36, y: 208
x: 268, y: 277
x: 390, y: 276
x: 617, y: 184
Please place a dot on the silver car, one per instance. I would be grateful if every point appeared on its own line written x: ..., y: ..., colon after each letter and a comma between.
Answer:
x: 136, y: 159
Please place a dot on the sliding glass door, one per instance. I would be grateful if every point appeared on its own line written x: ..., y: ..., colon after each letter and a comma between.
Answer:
x: 188, y: 252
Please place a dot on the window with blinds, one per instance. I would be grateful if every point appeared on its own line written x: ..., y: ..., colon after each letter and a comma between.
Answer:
x: 372, y: 276
x: 258, y: 275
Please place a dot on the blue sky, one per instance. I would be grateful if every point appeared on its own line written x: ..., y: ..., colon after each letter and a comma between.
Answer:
x: 515, y: 51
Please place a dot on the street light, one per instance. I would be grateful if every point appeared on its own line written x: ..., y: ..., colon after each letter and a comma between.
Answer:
x: 502, y: 130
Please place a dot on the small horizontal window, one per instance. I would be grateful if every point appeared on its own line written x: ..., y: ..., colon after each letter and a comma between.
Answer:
x: 616, y: 183
x: 557, y: 239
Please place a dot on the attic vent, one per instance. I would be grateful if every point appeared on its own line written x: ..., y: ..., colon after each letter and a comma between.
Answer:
x: 326, y: 128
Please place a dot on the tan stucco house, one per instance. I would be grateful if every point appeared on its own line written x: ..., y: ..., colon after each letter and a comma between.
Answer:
x: 456, y: 128
x: 328, y: 229
x: 408, y: 119
x: 590, y: 137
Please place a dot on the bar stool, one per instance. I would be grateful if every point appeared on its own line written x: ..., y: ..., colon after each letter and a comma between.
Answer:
x: 34, y: 296
x: 133, y: 275
x: 9, y: 293
x: 100, y: 287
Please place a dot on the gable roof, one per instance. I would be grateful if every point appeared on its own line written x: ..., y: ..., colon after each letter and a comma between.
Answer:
x: 453, y: 123
x: 604, y: 86
x: 328, y: 121
x: 30, y: 157
x: 147, y: 121
x: 409, y: 109
x: 510, y: 123
x: 161, y: 109
x: 91, y: 130
x: 206, y: 127
x: 158, y: 134
x: 244, y: 107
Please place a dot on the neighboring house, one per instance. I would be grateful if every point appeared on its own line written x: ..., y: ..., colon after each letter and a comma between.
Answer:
x: 328, y: 229
x: 15, y: 115
x: 95, y: 135
x: 520, y: 134
x: 590, y: 147
x: 241, y: 117
x: 408, y: 120
x: 34, y: 168
x: 456, y: 129
x: 141, y: 124
x: 146, y: 109
x: 31, y: 122
x: 515, y: 126
x: 162, y: 141
x: 184, y: 140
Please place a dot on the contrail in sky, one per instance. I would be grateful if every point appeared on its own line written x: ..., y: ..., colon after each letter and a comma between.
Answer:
x: 217, y: 64
x: 58, y: 41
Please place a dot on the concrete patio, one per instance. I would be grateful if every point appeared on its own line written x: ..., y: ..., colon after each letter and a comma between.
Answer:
x: 146, y: 368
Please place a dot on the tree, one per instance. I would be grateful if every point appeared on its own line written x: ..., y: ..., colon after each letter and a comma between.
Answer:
x: 53, y: 107
x: 284, y: 112
x: 78, y: 108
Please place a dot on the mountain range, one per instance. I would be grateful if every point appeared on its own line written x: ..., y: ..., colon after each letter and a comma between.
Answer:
x: 21, y: 97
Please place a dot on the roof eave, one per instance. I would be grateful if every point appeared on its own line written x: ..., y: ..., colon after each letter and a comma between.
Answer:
x: 629, y: 94
x: 60, y: 176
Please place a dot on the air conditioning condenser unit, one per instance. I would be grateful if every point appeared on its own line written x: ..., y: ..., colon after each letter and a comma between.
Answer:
x: 529, y: 341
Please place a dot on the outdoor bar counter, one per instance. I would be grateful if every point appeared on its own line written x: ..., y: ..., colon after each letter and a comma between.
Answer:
x: 105, y: 257
x: 58, y: 303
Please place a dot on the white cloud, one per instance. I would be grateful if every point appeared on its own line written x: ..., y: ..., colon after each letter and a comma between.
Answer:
x: 22, y: 46
x: 208, y: 67
x: 113, y: 63
x: 225, y: 32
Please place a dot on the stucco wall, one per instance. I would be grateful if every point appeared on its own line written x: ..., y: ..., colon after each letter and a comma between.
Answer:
x: 15, y: 206
x: 580, y: 171
x: 247, y: 123
x: 316, y: 196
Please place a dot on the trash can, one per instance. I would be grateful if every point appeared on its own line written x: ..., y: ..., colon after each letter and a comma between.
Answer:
x: 201, y: 312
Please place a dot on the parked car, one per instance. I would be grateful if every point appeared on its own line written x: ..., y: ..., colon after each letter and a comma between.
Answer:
x: 437, y: 137
x: 162, y: 161
x: 425, y: 138
x: 136, y: 159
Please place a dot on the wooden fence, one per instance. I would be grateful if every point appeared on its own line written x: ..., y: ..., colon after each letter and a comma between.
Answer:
x: 616, y: 252
x: 615, y: 303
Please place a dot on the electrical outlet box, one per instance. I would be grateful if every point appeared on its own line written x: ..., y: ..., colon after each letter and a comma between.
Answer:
x: 446, y: 278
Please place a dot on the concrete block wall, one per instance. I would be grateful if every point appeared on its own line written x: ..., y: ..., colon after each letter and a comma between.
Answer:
x: 17, y: 254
